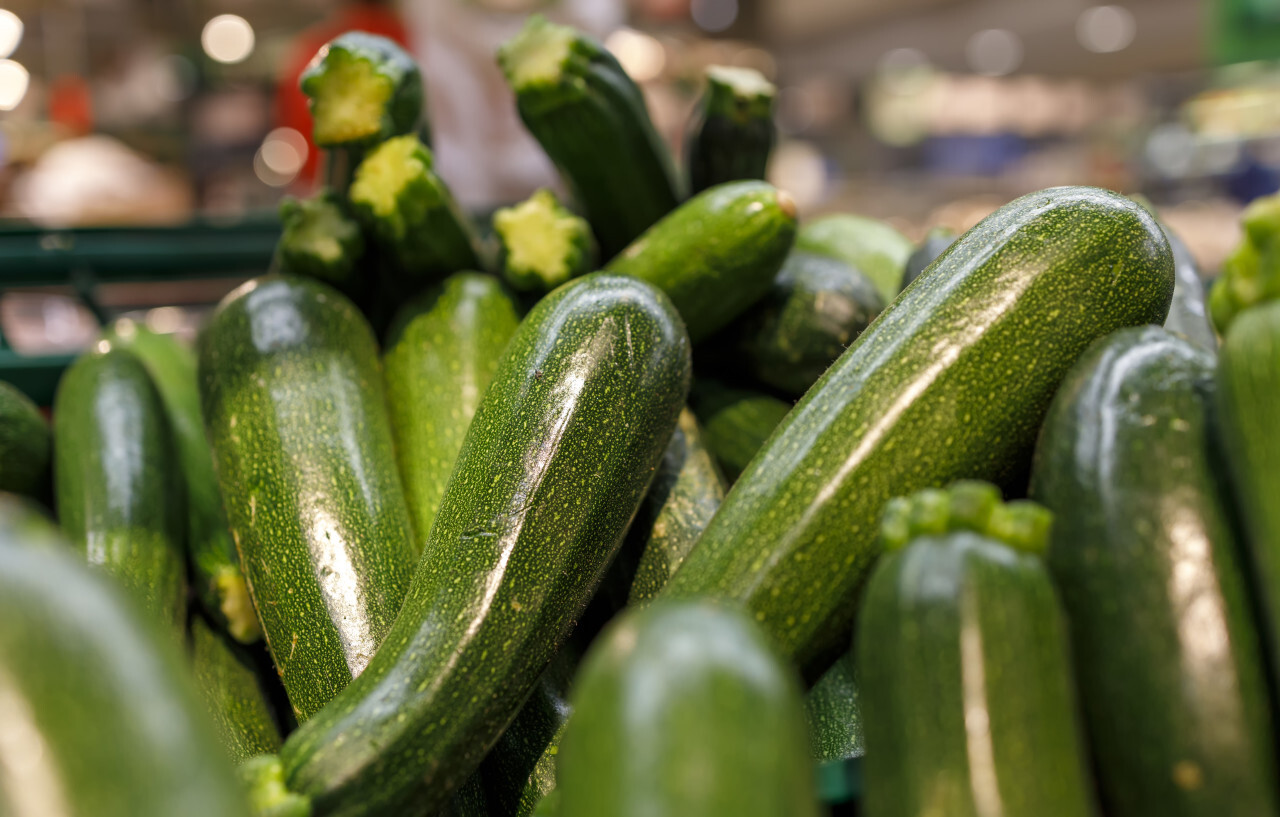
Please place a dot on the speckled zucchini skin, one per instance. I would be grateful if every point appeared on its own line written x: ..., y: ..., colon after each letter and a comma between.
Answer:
x: 294, y: 408
x: 26, y: 446
x: 232, y: 694
x: 834, y: 714
x: 1146, y: 560
x: 555, y: 463
x: 97, y: 686
x: 966, y: 685
x: 118, y: 481
x: 950, y: 382
x: 736, y: 422
x: 685, y: 708
x: 441, y: 352
x: 716, y: 254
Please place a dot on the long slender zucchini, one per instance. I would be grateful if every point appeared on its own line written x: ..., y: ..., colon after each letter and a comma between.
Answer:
x: 1143, y: 552
x: 591, y: 119
x: 219, y: 581
x: 26, y: 446
x: 716, y: 254
x: 685, y: 708
x: 99, y: 717
x: 232, y: 694
x: 119, y: 482
x: 441, y: 352
x: 731, y: 138
x: 951, y: 381
x: 556, y: 461
x: 872, y: 247
x: 963, y: 659
x: 542, y: 244
x: 294, y: 407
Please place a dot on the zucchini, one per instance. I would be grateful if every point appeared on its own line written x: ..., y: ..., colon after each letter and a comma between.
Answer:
x: 1188, y: 315
x: 716, y: 254
x: 1251, y: 274
x: 555, y: 463
x: 118, y: 482
x: 933, y: 245
x: 441, y: 352
x: 320, y: 239
x: 872, y: 247
x: 26, y: 446
x: 816, y: 308
x: 468, y: 801
x: 232, y: 694
x: 951, y: 381
x: 363, y: 89
x: 99, y: 716
x: 963, y: 660
x: 1167, y: 659
x: 542, y: 244
x: 685, y: 708
x: 215, y: 565
x: 736, y: 423
x: 294, y: 408
x: 835, y: 715
x: 733, y: 133
x: 25, y: 523
x: 591, y: 120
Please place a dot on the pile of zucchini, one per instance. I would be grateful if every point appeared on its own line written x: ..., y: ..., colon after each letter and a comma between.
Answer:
x: 654, y: 504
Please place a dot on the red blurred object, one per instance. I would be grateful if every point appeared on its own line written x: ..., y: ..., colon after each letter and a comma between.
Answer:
x: 291, y: 104
x: 70, y: 104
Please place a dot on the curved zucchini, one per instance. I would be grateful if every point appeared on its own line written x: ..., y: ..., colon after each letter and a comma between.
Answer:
x: 543, y: 245
x: 294, y: 407
x: 731, y: 138
x: 835, y: 715
x: 685, y: 708
x: 232, y: 694
x: 26, y: 446
x: 1167, y: 660
x: 716, y: 254
x: 99, y: 715
x: 556, y: 461
x: 871, y: 247
x: 118, y: 482
x: 951, y: 381
x: 441, y: 352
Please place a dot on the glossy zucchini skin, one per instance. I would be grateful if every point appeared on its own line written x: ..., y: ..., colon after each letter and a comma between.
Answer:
x: 294, y: 408
x: 26, y: 446
x: 215, y: 565
x: 950, y: 382
x: 685, y: 708
x: 118, y: 482
x: 834, y: 713
x: 232, y: 694
x: 872, y: 247
x: 1188, y: 314
x: 736, y: 423
x: 733, y: 133
x: 441, y: 352
x: 1167, y: 659
x: 968, y: 708
x: 553, y: 468
x: 716, y: 254
x: 76, y: 652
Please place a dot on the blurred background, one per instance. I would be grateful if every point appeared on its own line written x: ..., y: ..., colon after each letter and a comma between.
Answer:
x: 920, y: 112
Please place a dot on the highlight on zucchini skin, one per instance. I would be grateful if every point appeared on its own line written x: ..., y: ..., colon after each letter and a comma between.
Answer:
x: 734, y: 134
x: 542, y: 244
x: 363, y: 89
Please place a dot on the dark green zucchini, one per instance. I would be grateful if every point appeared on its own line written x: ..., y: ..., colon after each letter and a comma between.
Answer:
x: 441, y: 352
x: 716, y: 254
x: 591, y: 119
x: 542, y: 244
x: 294, y: 408
x: 1167, y: 659
x: 363, y: 90
x: 1188, y: 314
x: 320, y: 239
x: 556, y: 461
x: 215, y: 565
x: 816, y: 308
x: 118, y: 481
x: 732, y: 135
x: 933, y: 245
x: 232, y: 694
x: 736, y: 422
x: 835, y: 715
x: 26, y: 446
x: 99, y: 717
x: 685, y: 708
x: 871, y: 247
x: 468, y: 801
x: 951, y: 381
x: 962, y: 655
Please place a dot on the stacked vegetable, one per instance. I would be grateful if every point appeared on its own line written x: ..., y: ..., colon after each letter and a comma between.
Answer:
x: 522, y: 537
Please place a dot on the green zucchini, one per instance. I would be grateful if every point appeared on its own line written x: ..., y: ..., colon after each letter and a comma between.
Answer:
x: 951, y: 381
x: 548, y: 806
x: 816, y: 308
x: 441, y: 352
x: 363, y: 89
x: 294, y: 408
x: 933, y: 245
x: 219, y: 581
x: 26, y: 446
x: 963, y: 660
x: 872, y: 247
x: 556, y: 461
x: 119, y: 483
x: 1188, y: 315
x: 99, y: 715
x: 1251, y: 274
x: 736, y: 423
x: 468, y: 801
x: 542, y: 244
x: 685, y: 708
x: 232, y: 694
x: 321, y: 239
x: 25, y: 523
x: 591, y: 120
x: 834, y: 713
x: 733, y: 133
x: 716, y: 254
x: 1167, y: 660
